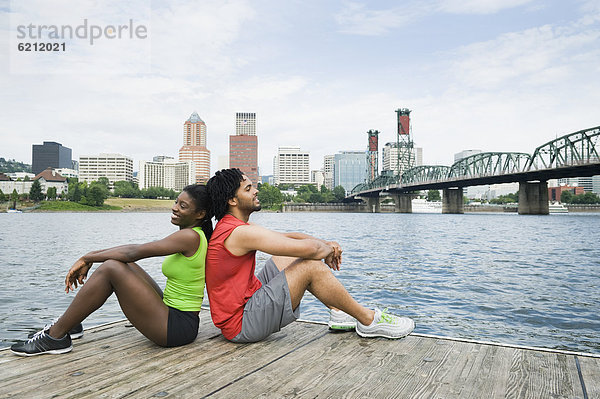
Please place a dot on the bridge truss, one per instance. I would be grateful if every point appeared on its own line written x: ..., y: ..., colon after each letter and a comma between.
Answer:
x: 575, y: 154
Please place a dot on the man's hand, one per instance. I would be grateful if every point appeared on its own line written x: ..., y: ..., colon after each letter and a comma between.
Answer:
x: 77, y: 274
x: 334, y: 259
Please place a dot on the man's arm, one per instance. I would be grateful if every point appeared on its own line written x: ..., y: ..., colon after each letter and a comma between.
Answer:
x: 253, y: 237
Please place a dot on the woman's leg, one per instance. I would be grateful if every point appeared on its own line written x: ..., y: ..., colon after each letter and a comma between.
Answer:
x: 139, y: 296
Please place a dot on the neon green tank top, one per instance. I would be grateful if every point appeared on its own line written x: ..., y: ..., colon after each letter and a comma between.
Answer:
x: 185, y: 278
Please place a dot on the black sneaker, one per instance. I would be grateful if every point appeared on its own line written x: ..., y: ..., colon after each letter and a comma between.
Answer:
x: 75, y: 332
x: 42, y: 343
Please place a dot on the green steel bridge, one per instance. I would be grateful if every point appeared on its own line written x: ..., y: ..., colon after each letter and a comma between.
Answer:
x: 573, y: 155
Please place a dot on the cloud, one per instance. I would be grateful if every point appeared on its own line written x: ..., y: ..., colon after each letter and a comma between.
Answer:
x: 478, y: 6
x: 543, y: 55
x: 358, y: 19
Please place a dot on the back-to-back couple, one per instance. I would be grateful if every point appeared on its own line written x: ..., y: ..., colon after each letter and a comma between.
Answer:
x: 244, y: 306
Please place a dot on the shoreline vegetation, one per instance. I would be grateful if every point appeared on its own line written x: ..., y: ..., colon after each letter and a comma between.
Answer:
x: 114, y: 204
x: 110, y: 205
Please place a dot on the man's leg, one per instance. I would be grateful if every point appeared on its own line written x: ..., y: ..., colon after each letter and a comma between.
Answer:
x: 315, y: 276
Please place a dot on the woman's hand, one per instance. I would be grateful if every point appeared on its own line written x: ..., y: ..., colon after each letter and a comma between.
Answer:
x: 77, y: 274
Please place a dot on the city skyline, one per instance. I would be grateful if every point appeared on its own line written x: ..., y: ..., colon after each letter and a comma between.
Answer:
x: 494, y: 75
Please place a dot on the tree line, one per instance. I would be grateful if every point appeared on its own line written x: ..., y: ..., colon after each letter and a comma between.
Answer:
x: 92, y: 194
x: 272, y: 197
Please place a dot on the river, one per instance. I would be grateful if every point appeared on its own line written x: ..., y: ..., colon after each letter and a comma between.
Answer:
x: 525, y: 280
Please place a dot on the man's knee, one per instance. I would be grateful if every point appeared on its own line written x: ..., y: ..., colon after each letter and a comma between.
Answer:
x: 310, y: 267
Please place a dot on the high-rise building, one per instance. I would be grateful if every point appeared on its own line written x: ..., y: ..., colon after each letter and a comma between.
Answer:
x: 50, y: 155
x: 317, y: 177
x: 115, y: 167
x: 291, y: 166
x: 166, y: 172
x: 328, y: 171
x: 465, y: 153
x: 349, y: 169
x: 397, y: 160
x: 243, y: 147
x: 596, y: 184
x: 245, y: 124
x: 194, y: 147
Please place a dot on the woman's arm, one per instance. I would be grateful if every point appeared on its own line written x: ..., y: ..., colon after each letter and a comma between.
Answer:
x: 185, y: 241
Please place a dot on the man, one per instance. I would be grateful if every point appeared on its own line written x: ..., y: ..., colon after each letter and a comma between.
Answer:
x: 248, y: 308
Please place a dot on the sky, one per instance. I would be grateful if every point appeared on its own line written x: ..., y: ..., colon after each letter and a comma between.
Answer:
x: 493, y: 75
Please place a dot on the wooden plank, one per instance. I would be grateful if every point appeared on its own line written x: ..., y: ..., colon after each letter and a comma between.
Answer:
x: 346, y: 366
x: 536, y: 374
x: 87, y: 362
x: 590, y: 371
x: 303, y: 360
x: 232, y: 361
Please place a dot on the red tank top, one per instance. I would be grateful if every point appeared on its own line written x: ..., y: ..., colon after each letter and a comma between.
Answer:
x: 230, y: 279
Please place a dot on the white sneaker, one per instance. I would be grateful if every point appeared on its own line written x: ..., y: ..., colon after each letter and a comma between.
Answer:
x: 341, y: 321
x: 386, y: 325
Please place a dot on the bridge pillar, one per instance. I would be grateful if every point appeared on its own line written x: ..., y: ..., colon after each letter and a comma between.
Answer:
x: 373, y: 204
x: 533, y: 198
x: 452, y: 200
x: 402, y: 203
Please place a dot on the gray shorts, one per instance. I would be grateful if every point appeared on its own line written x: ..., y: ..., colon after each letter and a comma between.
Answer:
x: 269, y: 309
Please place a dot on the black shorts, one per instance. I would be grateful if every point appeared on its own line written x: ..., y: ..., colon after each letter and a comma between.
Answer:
x: 182, y: 327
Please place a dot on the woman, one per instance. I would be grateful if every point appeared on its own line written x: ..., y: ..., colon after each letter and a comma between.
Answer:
x: 169, y: 319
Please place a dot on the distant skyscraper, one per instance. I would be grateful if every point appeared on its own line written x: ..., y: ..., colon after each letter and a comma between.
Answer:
x: 465, y: 153
x: 50, y: 154
x: 243, y: 147
x: 194, y: 147
x: 349, y: 169
x: 328, y: 171
x: 398, y: 162
x: 245, y: 124
x: 291, y: 166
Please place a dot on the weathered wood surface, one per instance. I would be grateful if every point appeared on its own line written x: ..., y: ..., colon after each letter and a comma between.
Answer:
x: 303, y: 360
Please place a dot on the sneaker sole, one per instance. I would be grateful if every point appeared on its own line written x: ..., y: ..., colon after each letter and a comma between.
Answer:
x: 52, y: 352
x: 76, y: 335
x: 342, y: 327
x: 380, y: 335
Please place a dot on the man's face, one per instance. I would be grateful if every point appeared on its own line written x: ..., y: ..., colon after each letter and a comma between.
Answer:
x: 247, y: 196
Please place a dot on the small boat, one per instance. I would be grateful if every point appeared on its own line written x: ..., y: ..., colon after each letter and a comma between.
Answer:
x: 13, y: 211
x: 557, y: 208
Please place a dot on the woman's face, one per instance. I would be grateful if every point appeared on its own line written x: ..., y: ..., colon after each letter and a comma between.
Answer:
x: 185, y: 213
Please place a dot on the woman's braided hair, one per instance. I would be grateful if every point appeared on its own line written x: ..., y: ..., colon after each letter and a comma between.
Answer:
x: 221, y: 188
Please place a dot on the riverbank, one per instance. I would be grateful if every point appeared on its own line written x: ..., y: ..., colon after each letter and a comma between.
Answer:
x: 110, y: 205
x: 361, y: 207
x: 164, y: 205
x: 141, y: 204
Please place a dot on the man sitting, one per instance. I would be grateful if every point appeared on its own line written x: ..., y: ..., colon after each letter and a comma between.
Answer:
x: 248, y: 308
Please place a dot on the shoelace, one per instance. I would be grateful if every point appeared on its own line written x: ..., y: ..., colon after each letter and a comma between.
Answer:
x: 388, y: 318
x: 36, y: 336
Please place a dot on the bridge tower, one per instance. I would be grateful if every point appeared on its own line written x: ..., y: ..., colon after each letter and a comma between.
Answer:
x: 404, y: 143
x: 372, y: 152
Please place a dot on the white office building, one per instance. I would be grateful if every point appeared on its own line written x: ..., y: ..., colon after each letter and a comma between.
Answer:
x: 167, y: 173
x: 328, y: 162
x: 291, y: 166
x: 115, y: 167
x: 398, y: 166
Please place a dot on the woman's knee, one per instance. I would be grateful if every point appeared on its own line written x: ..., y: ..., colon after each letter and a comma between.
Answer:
x: 112, y: 267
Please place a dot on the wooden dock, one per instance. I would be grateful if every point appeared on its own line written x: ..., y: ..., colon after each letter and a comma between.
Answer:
x: 304, y: 360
